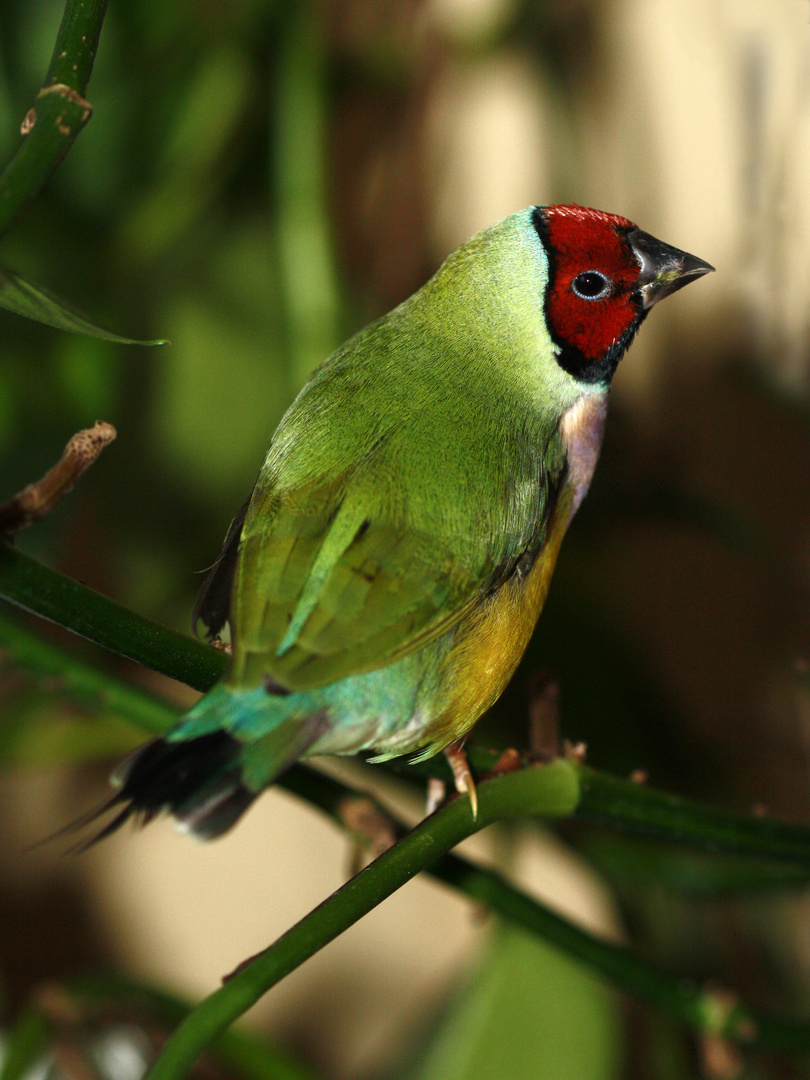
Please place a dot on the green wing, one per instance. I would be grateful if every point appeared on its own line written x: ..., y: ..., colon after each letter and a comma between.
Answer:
x: 344, y: 575
x: 398, y: 492
x: 327, y: 603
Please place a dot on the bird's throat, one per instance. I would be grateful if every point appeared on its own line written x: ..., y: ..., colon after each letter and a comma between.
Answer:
x: 582, y: 429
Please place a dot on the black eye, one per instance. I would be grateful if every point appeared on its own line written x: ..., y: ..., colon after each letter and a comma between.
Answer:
x: 591, y: 285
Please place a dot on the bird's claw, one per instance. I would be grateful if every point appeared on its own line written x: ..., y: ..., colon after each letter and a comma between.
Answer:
x: 462, y: 775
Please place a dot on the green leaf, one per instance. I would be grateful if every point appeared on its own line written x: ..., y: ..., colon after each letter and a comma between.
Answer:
x: 530, y: 1013
x: 34, y: 302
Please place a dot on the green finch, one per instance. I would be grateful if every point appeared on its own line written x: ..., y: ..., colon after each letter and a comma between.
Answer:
x: 384, y: 578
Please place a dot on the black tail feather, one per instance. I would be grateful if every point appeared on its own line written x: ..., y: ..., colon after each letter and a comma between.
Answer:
x: 198, y: 781
x: 80, y: 823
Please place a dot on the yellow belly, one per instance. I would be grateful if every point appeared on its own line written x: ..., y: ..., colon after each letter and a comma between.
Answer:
x: 487, y: 649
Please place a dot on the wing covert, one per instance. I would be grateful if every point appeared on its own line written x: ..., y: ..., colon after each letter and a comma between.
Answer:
x: 332, y: 581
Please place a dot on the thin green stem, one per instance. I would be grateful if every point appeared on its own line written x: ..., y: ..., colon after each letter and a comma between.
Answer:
x: 549, y: 790
x: 53, y: 596
x: 539, y: 790
x: 76, y: 43
x: 636, y: 808
x: 89, y: 685
x: 59, y: 112
x: 605, y: 800
x: 615, y: 803
x: 711, y: 1011
x: 703, y: 1010
x: 243, y: 1053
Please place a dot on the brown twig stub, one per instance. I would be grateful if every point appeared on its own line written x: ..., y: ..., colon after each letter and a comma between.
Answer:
x: 68, y: 94
x: 721, y: 1059
x: 28, y: 122
x: 577, y: 752
x: 544, y: 717
x: 38, y: 499
x: 371, y: 827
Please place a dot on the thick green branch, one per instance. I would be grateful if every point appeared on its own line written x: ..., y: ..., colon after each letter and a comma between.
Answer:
x: 59, y: 112
x: 707, y: 1011
x: 605, y: 800
x: 84, y: 1003
x: 548, y: 790
x: 45, y: 592
x: 540, y: 790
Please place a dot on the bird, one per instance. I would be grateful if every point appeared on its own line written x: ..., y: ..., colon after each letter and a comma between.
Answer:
x: 384, y: 578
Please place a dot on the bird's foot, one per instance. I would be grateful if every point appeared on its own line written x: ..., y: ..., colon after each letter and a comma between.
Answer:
x: 371, y: 828
x: 462, y: 775
x: 509, y: 761
x: 220, y: 645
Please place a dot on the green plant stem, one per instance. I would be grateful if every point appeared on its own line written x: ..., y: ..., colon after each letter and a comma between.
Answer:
x: 307, y: 279
x: 540, y: 790
x: 704, y: 1010
x: 76, y: 43
x: 89, y: 685
x: 59, y: 112
x: 243, y: 1053
x: 548, y: 790
x: 605, y: 800
x: 53, y: 596
x: 711, y: 1011
x: 615, y: 803
x: 635, y: 808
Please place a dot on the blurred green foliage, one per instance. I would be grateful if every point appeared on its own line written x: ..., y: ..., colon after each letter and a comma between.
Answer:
x: 164, y: 217
x: 510, y: 1022
x: 252, y: 186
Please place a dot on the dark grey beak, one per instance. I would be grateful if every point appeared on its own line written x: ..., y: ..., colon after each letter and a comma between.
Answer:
x: 664, y: 269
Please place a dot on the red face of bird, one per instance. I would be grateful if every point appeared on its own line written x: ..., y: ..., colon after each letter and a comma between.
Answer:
x: 604, y: 276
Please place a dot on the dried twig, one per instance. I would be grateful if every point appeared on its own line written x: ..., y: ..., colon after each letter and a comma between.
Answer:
x: 38, y: 499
